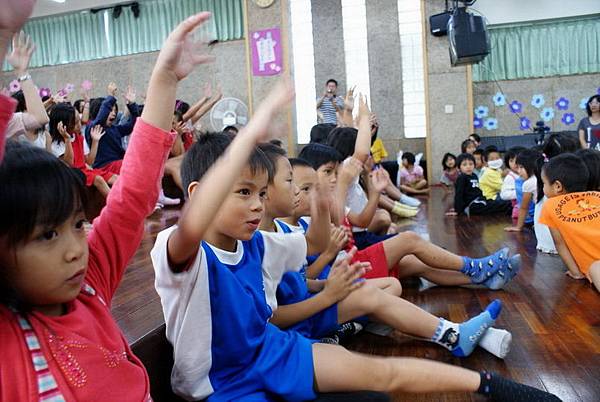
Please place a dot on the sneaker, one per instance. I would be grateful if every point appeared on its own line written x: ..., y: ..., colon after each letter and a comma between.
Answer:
x: 378, y: 328
x: 164, y: 200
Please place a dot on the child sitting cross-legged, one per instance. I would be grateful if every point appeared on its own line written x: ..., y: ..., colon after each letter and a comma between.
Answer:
x: 316, y: 308
x: 572, y: 212
x: 215, y: 265
x: 58, y: 339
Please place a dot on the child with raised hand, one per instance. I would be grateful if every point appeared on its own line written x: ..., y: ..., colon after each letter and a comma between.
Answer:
x: 214, y: 264
x: 572, y: 212
x: 316, y: 309
x: 529, y: 163
x: 57, y: 336
x: 69, y: 145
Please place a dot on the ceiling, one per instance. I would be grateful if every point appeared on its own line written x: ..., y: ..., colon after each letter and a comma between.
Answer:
x: 49, y: 7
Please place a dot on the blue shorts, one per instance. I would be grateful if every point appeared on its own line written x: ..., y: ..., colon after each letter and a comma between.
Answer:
x: 365, y: 239
x: 319, y: 325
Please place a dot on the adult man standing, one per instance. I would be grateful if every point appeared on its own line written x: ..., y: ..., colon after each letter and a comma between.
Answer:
x: 330, y: 104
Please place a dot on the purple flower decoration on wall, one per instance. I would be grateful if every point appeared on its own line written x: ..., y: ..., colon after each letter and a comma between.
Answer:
x: 14, y: 86
x: 86, y: 85
x: 524, y: 123
x: 477, y: 122
x: 43, y: 92
x: 515, y: 106
x: 537, y: 101
x: 547, y: 114
x: 568, y: 118
x: 562, y: 103
x: 491, y: 124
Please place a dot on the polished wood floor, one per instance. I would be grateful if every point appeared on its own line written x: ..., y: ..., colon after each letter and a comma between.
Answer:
x: 555, y: 320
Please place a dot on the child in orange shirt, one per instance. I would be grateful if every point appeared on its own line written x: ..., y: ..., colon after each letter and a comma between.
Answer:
x: 572, y: 212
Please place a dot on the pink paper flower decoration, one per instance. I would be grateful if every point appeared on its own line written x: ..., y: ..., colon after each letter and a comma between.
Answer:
x: 45, y: 92
x: 14, y: 86
x: 86, y: 85
x: 69, y: 88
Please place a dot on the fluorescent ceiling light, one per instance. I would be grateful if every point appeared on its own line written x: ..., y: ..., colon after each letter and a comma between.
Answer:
x: 58, y: 1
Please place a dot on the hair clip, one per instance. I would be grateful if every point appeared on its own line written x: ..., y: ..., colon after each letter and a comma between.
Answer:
x: 546, y: 160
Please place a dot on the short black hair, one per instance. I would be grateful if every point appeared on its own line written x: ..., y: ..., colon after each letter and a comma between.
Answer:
x: 479, y: 151
x: 78, y: 105
x: 299, y: 162
x: 488, y: 150
x: 178, y: 115
x: 318, y: 155
x: 512, y: 154
x: 476, y: 137
x: 319, y: 132
x: 19, y: 96
x: 410, y: 157
x: 95, y: 105
x: 570, y: 170
x: 272, y: 152
x: 182, y: 106
x: 278, y: 142
x: 557, y: 143
x: 464, y: 145
x: 591, y: 158
x: 207, y: 150
x: 332, y: 80
x: 231, y: 129
x: 343, y: 139
x: 531, y: 160
x: 61, y: 113
x: 588, y: 109
x: 445, y: 158
x: 464, y: 157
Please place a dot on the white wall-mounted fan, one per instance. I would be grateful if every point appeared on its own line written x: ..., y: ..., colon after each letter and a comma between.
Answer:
x: 228, y: 112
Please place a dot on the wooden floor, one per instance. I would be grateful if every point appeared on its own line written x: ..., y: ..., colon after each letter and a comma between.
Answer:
x: 555, y: 320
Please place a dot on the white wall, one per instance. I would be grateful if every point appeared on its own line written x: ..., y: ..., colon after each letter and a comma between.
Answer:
x: 510, y: 11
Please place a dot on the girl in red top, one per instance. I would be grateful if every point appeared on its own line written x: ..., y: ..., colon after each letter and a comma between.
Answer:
x: 58, y: 340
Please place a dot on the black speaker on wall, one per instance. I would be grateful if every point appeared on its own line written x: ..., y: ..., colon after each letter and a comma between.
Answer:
x: 438, y: 23
x: 468, y: 36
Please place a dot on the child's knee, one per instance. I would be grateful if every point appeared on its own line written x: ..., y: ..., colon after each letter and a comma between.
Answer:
x: 408, y: 237
x: 394, y: 287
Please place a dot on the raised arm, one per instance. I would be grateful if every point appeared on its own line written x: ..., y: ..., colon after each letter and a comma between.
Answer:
x: 96, y: 133
x: 198, y: 213
x: 317, y: 236
x: 376, y: 184
x: 348, y: 171
x: 133, y: 109
x: 206, y: 107
x: 67, y: 157
x: 106, y: 106
x: 19, y: 58
x: 362, y: 147
x: 206, y: 95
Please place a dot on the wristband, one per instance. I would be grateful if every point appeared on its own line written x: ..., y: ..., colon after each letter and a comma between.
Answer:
x: 24, y: 77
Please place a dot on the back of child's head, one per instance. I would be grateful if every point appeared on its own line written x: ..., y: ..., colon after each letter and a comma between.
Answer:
x: 207, y: 150
x: 182, y: 106
x: 319, y: 154
x: 511, y: 154
x: 489, y: 150
x: 464, y: 157
x: 230, y: 130
x: 446, y: 158
x: 531, y: 161
x: 277, y: 142
x: 21, y: 103
x: 319, y: 132
x: 409, y: 157
x: 591, y: 158
x: 78, y: 105
x: 568, y: 169
x: 343, y: 139
x: 299, y: 162
x: 588, y: 108
x: 465, y: 144
x: 38, y: 190
x: 556, y: 144
x: 475, y: 138
x: 178, y: 116
x: 61, y: 113
x: 273, y: 153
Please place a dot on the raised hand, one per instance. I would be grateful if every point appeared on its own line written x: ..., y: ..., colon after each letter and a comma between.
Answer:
x: 62, y: 130
x: 21, y: 53
x: 364, y: 113
x: 179, y: 127
x: 350, y: 169
x: 59, y: 97
x: 379, y: 180
x: 180, y: 53
x: 337, y: 241
x: 96, y: 133
x: 344, y: 278
x: 130, y: 94
x: 112, y: 89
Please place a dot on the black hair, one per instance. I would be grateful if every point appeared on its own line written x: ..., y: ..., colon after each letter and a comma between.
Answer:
x: 511, y: 154
x: 445, y: 158
x: 532, y: 161
x: 272, y: 152
x: 19, y: 96
x: 343, y: 139
x: 318, y: 155
x: 410, y: 157
x: 61, y: 113
x: 332, y: 80
x: 476, y: 137
x: 95, y: 105
x: 178, y: 115
x: 319, y: 132
x: 45, y: 98
x: 182, y: 106
x: 570, y: 170
x: 556, y: 144
x: 207, y: 150
x: 588, y: 109
x: 299, y: 162
x: 78, y: 105
x: 591, y: 158
x: 277, y: 142
x: 488, y: 150
x: 465, y: 144
x: 231, y: 129
x: 464, y: 157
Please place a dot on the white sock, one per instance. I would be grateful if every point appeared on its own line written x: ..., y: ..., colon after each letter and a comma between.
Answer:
x: 496, y: 341
x: 164, y: 200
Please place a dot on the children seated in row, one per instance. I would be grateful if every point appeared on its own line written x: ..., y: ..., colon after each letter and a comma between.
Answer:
x: 529, y: 163
x: 467, y: 147
x: 215, y: 264
x: 572, y: 211
x: 490, y: 181
x: 57, y: 336
x: 412, y: 180
x: 69, y: 145
x: 468, y: 198
x: 449, y: 170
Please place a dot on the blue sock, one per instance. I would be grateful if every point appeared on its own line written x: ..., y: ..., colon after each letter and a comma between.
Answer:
x: 480, y: 269
x: 505, y: 274
x: 461, y: 339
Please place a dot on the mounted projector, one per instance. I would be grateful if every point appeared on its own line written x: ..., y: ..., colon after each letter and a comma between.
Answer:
x: 468, y: 36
